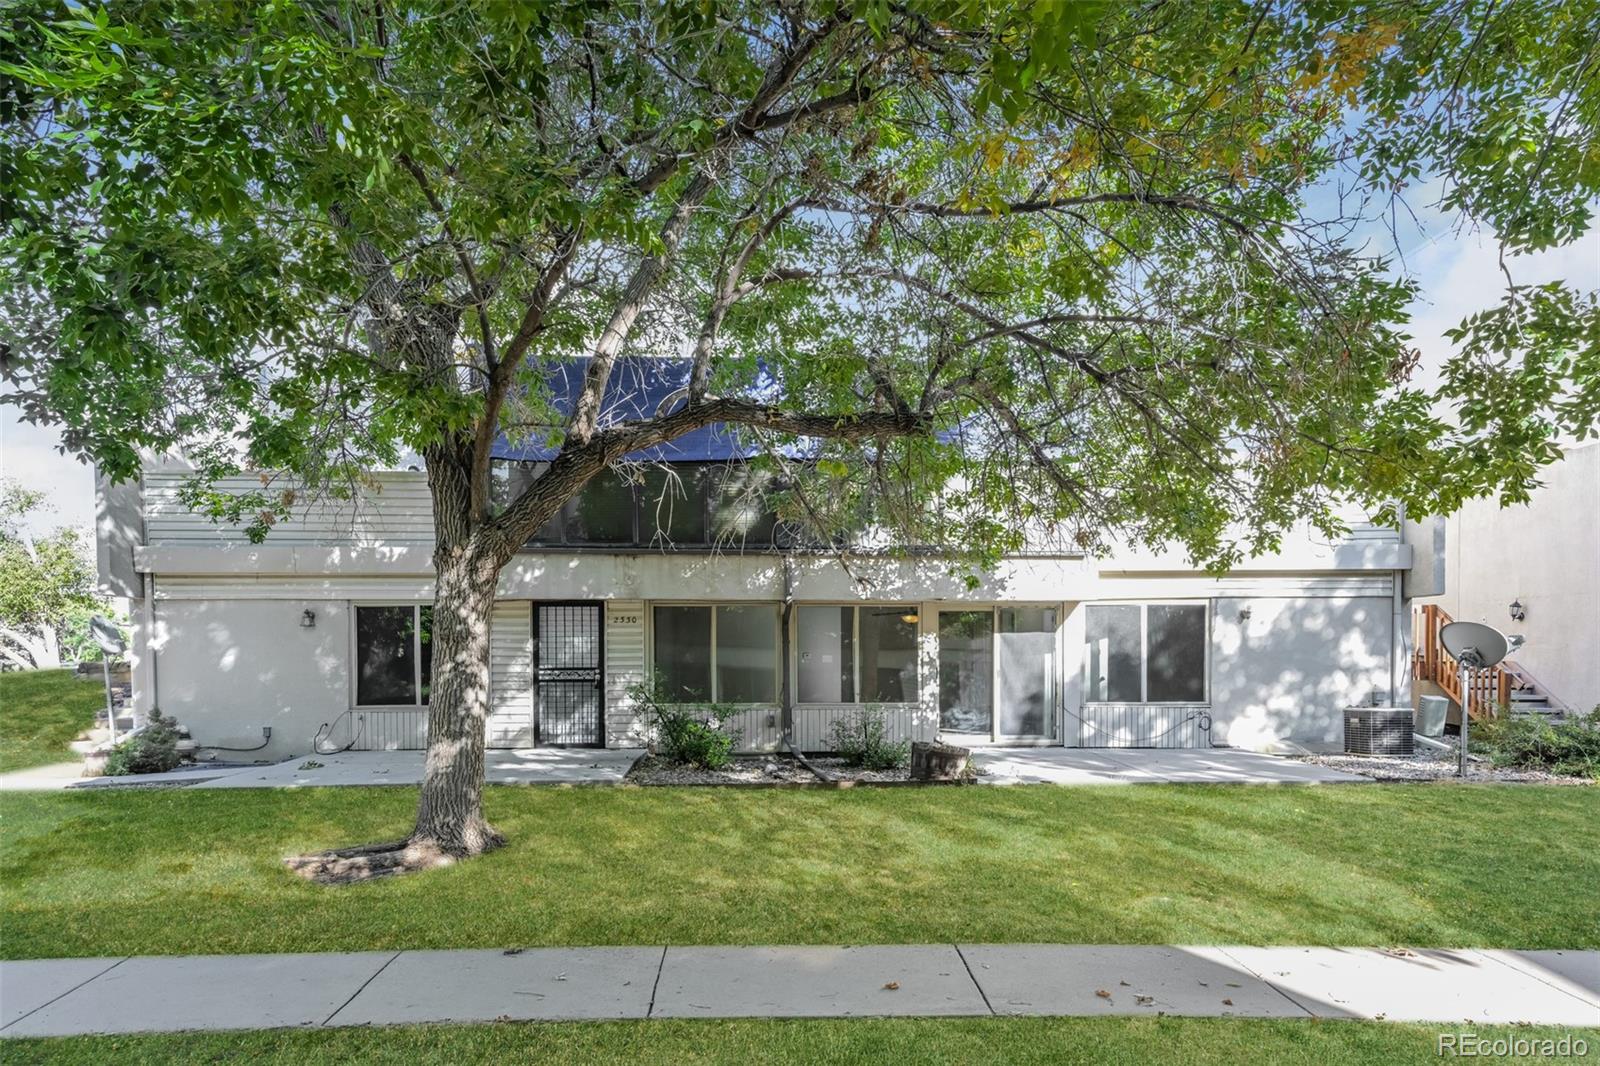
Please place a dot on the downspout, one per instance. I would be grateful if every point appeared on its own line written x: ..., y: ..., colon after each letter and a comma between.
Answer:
x: 1400, y: 643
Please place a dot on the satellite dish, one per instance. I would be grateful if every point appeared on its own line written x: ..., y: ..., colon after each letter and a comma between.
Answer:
x: 1474, y: 644
x: 107, y: 635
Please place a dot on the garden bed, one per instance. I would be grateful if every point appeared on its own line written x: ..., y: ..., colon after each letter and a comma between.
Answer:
x: 756, y: 770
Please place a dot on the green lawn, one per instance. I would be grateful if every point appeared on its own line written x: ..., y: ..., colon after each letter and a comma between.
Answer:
x: 670, y: 1043
x: 198, y: 871
x: 41, y: 711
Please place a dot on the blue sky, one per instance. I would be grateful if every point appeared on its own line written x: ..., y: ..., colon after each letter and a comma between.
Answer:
x: 1459, y: 273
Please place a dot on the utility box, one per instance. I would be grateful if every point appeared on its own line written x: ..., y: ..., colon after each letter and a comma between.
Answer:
x: 1431, y: 714
x: 1378, y: 731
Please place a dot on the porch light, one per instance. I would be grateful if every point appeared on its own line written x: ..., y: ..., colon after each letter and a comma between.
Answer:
x: 308, y: 619
x: 911, y: 618
x: 1518, y: 611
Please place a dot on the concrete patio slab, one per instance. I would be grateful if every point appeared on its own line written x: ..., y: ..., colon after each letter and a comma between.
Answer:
x: 521, y: 766
x: 537, y: 984
x: 518, y: 766
x: 1120, y: 766
x: 207, y: 992
x: 1087, y: 980
x: 1420, y: 986
x: 815, y: 982
x: 26, y: 986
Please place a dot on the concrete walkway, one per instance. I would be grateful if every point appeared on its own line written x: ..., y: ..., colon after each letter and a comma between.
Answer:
x: 516, y: 766
x: 62, y: 997
x: 1124, y: 766
x: 534, y: 766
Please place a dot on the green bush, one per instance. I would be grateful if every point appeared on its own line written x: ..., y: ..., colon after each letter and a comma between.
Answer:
x: 862, y: 739
x: 152, y: 750
x: 1530, y: 743
x: 692, y: 734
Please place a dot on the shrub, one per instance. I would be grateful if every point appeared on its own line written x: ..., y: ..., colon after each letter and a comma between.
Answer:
x: 1530, y: 743
x: 862, y: 739
x: 152, y: 750
x: 693, y: 734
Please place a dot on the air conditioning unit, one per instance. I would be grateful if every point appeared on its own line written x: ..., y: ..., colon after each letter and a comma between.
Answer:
x: 1378, y: 731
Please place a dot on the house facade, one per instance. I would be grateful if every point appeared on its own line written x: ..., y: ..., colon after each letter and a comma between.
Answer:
x: 320, y: 635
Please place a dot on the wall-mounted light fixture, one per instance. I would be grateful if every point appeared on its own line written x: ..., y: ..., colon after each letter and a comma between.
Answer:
x: 308, y: 618
x: 911, y: 618
x: 1518, y: 611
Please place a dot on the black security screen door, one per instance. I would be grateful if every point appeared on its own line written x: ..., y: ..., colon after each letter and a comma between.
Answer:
x: 567, y: 672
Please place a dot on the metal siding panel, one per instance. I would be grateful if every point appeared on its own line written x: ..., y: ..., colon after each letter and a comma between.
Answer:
x: 511, y: 676
x: 813, y: 722
x: 624, y: 667
x: 1144, y: 725
x: 392, y: 730
x: 396, y: 508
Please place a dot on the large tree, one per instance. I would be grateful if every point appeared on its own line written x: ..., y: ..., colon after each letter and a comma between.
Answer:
x: 995, y: 266
x: 46, y: 583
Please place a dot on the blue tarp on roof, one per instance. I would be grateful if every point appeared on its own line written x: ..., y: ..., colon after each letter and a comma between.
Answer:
x: 639, y: 387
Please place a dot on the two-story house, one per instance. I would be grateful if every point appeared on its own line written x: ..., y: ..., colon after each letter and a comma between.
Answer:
x: 320, y: 634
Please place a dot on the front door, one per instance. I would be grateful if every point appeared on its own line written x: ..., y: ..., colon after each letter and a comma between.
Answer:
x: 997, y: 674
x: 569, y: 680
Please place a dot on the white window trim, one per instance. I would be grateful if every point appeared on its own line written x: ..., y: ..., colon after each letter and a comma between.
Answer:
x: 855, y: 652
x: 1057, y: 709
x: 1144, y: 655
x: 416, y: 657
x: 716, y: 684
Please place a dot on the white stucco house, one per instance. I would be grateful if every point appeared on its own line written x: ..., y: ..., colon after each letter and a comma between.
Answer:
x: 320, y: 634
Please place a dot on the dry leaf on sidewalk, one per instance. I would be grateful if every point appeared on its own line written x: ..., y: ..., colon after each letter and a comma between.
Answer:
x: 892, y: 985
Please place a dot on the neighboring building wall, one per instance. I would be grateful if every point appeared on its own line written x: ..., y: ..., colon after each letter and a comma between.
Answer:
x: 1545, y: 554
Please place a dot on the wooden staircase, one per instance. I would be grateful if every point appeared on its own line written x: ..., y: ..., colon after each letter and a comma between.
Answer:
x: 1507, y: 686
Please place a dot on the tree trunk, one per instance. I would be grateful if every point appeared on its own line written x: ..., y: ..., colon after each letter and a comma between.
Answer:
x: 938, y: 762
x: 450, y: 822
x: 450, y: 813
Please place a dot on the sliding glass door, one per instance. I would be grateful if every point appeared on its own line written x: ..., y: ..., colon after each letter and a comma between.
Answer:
x: 998, y: 673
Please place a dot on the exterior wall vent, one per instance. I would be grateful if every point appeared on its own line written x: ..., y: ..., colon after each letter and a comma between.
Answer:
x: 1378, y: 731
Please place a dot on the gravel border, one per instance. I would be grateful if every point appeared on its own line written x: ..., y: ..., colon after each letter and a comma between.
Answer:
x: 1430, y: 765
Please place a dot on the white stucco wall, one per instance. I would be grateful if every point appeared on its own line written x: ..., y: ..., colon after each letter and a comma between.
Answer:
x: 1545, y: 554
x: 1290, y: 667
x: 225, y: 668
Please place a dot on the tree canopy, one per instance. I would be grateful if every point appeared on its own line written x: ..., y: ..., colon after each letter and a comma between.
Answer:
x: 1089, y: 265
x: 46, y: 585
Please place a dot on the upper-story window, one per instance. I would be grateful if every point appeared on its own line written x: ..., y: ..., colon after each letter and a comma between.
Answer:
x: 681, y: 505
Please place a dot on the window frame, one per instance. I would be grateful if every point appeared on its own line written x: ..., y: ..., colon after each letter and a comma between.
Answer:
x: 716, y: 682
x: 416, y: 656
x: 1056, y: 712
x: 705, y: 491
x: 855, y: 652
x: 1144, y: 654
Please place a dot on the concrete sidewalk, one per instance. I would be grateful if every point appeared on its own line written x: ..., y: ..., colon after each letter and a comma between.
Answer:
x: 62, y: 997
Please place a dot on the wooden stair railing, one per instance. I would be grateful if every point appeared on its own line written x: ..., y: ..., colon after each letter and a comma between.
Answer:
x: 1491, y: 688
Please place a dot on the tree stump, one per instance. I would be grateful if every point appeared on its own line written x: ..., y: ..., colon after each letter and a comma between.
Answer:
x: 938, y: 761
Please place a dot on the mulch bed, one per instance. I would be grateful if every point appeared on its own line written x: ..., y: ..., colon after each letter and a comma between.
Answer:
x: 756, y: 770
